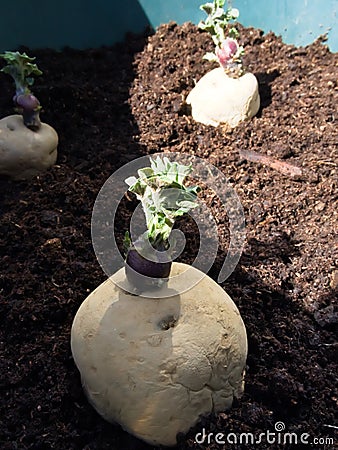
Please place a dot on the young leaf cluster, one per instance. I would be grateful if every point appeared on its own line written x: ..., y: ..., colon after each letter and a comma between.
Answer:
x: 217, y: 20
x: 163, y: 196
x: 216, y: 24
x: 22, y: 69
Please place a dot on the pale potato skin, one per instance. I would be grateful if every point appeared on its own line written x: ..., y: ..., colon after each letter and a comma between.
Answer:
x: 25, y: 153
x: 218, y: 99
x: 154, y: 365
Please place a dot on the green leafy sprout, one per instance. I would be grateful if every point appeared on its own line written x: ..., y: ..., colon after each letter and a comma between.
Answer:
x: 163, y: 196
x: 22, y: 69
x: 228, y: 52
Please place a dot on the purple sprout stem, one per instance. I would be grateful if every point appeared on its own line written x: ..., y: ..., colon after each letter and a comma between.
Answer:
x: 30, y: 110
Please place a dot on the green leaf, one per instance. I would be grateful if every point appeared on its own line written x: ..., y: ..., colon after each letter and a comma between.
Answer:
x: 233, y: 33
x: 130, y: 181
x: 187, y: 205
x: 234, y: 13
x: 21, y: 68
x: 30, y: 81
x: 207, y: 8
x: 145, y: 173
x: 138, y: 188
x: 163, y: 195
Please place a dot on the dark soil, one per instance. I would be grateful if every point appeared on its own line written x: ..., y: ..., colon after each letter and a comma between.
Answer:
x: 112, y: 105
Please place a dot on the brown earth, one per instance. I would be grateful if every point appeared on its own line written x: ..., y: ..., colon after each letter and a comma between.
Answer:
x: 112, y: 105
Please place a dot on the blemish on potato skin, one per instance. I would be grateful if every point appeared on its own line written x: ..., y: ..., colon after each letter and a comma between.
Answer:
x: 167, y: 322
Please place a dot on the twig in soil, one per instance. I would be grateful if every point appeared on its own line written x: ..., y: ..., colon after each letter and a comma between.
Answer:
x: 281, y: 166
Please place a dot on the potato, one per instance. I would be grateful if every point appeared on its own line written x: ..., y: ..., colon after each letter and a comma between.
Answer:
x: 154, y: 365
